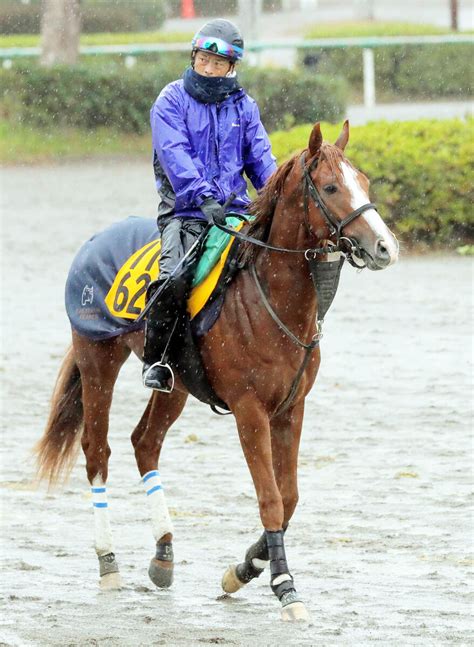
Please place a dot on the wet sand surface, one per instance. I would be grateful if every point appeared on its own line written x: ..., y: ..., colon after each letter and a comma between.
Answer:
x: 380, y: 543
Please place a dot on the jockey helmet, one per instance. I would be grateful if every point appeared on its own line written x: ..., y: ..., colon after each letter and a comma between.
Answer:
x: 220, y: 37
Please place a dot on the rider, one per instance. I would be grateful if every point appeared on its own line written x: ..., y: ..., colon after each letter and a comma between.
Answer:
x: 206, y: 133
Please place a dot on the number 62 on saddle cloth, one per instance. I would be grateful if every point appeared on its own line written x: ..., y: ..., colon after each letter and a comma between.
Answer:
x: 107, y: 283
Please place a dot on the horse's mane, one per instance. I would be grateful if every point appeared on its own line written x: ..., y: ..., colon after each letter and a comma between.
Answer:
x: 263, y: 207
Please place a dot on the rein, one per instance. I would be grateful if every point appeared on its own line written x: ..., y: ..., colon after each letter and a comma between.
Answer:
x: 260, y: 243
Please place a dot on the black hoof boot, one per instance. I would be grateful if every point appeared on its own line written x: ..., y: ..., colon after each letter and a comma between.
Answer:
x: 158, y: 377
x: 236, y: 576
x: 292, y: 608
x: 161, y: 566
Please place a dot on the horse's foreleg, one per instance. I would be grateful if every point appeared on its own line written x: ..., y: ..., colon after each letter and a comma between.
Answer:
x: 99, y: 363
x: 147, y: 439
x: 255, y: 561
x: 285, y: 438
x: 286, y: 434
x: 254, y: 432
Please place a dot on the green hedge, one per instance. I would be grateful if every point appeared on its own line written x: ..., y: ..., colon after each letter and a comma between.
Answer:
x: 19, y: 18
x: 104, y: 38
x: 287, y: 98
x: 96, y: 16
x: 421, y: 174
x: 408, y: 71
x: 113, y: 96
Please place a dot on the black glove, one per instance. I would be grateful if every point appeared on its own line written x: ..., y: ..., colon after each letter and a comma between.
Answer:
x: 213, y: 211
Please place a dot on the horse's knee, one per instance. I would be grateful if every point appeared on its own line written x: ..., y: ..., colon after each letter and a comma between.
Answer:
x: 271, y: 510
x: 290, y: 501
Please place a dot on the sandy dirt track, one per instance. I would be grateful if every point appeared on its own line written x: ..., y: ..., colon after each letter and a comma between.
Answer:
x: 380, y: 543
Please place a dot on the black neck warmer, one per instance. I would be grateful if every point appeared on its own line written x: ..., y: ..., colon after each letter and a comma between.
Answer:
x: 209, y: 89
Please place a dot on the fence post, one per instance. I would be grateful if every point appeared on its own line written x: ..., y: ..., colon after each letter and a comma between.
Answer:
x: 369, y: 77
x: 250, y: 12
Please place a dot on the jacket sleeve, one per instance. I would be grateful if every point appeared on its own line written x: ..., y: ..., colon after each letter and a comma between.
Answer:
x: 172, y: 147
x: 259, y: 163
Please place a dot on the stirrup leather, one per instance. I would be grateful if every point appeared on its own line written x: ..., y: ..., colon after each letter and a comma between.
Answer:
x: 167, y: 389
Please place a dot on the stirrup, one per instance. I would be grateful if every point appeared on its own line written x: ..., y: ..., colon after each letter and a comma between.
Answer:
x: 163, y: 388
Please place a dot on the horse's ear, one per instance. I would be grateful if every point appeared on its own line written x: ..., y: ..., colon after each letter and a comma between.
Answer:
x: 315, y: 140
x: 343, y: 138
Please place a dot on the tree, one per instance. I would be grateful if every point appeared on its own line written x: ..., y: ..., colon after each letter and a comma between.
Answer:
x: 60, y: 31
x: 453, y: 10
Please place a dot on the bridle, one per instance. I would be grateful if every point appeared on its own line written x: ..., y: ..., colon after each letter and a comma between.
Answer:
x: 335, y: 226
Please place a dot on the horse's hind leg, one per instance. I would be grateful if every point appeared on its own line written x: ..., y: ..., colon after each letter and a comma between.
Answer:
x: 147, y: 439
x: 99, y: 364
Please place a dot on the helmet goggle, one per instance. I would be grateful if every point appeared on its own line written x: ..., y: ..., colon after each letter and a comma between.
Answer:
x: 217, y: 46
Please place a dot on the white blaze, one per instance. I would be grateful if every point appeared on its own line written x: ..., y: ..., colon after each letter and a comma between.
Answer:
x: 371, y: 216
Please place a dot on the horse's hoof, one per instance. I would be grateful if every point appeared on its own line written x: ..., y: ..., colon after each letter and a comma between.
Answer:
x: 110, y: 582
x: 294, y: 612
x: 230, y: 582
x: 161, y: 573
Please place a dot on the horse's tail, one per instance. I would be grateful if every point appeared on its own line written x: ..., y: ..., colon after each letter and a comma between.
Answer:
x: 57, y: 450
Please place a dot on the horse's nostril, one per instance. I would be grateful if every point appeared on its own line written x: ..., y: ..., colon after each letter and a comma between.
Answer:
x: 381, y: 250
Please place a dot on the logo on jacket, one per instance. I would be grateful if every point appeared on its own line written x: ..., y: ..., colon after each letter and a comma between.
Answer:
x: 87, y: 295
x: 235, y: 125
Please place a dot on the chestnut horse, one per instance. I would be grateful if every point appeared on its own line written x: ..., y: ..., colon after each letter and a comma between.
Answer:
x: 315, y: 198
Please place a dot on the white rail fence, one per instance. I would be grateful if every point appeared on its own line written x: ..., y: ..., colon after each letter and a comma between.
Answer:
x: 290, y: 46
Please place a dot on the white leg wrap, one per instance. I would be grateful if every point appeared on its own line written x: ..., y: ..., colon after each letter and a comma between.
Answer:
x: 260, y: 563
x: 281, y: 578
x: 103, y: 533
x: 160, y: 518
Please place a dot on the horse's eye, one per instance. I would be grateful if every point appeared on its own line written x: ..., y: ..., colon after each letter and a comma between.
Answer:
x: 330, y: 188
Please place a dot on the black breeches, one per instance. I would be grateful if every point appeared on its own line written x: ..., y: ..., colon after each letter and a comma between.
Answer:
x: 177, y: 236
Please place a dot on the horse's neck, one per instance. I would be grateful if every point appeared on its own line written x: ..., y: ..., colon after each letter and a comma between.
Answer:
x: 285, y: 276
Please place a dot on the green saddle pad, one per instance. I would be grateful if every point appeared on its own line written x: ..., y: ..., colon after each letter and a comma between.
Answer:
x: 216, y: 242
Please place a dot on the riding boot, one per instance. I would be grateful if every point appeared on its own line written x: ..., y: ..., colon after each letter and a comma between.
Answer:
x: 177, y: 237
x: 161, y: 321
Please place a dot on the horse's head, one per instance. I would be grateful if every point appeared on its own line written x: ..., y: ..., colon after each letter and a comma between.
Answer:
x: 337, y: 204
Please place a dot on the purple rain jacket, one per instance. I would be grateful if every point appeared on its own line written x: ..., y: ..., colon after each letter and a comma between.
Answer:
x: 202, y: 150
